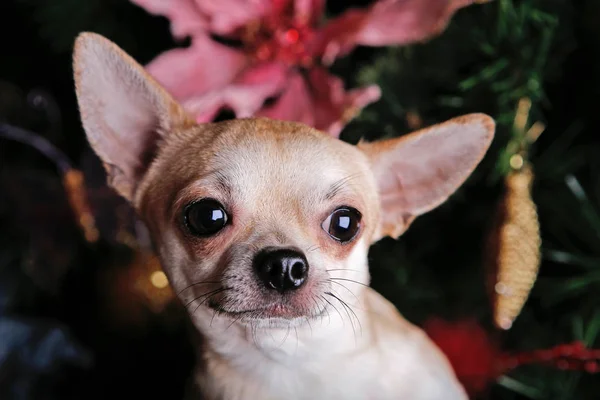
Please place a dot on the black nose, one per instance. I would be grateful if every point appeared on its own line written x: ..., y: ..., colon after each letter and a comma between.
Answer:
x: 281, y: 269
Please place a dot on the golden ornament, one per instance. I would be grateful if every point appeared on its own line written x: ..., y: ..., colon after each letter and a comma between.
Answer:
x: 515, y: 247
x: 514, y: 243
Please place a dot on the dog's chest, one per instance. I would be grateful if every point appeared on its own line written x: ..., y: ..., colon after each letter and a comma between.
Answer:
x: 340, y: 378
x: 272, y: 381
x: 369, y: 376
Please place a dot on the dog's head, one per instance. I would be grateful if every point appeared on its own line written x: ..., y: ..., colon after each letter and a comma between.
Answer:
x: 261, y: 219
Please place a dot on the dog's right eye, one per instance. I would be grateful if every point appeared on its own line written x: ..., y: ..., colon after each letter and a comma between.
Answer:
x: 205, y: 217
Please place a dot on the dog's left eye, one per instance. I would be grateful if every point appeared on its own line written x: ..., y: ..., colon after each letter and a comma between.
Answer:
x: 343, y: 224
x: 205, y: 217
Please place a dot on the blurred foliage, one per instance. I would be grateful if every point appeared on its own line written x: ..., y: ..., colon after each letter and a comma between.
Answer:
x: 491, y: 56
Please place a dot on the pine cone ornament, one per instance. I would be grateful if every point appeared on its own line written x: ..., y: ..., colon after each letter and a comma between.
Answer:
x: 514, y: 243
x: 515, y: 248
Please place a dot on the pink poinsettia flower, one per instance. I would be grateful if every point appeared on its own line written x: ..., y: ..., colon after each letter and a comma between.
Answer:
x: 277, y: 67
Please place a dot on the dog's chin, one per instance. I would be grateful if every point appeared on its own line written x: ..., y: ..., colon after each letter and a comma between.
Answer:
x: 272, y: 316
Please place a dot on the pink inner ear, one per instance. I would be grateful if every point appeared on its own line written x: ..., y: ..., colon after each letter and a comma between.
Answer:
x: 124, y: 112
x: 130, y: 123
x: 419, y: 172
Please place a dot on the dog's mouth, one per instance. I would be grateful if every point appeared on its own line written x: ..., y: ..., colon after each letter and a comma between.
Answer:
x: 274, y: 311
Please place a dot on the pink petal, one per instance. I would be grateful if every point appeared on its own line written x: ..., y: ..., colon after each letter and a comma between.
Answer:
x: 387, y: 22
x: 245, y: 96
x: 186, y: 19
x: 205, y: 65
x: 223, y: 17
x: 320, y: 101
x: 310, y: 11
x: 295, y: 104
x: 334, y: 106
x: 338, y: 37
x: 226, y: 16
x: 406, y: 21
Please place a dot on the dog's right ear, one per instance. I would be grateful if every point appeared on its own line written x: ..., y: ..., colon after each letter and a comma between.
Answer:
x: 124, y: 112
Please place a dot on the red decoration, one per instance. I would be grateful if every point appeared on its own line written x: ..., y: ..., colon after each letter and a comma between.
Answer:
x: 470, y: 349
x: 478, y: 360
x: 569, y: 356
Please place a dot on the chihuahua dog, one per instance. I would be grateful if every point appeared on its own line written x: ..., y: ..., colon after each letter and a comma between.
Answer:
x: 263, y: 229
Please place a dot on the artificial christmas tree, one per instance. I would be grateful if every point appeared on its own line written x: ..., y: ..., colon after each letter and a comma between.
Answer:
x: 488, y: 58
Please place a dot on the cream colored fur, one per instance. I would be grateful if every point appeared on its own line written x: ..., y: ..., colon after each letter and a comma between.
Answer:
x: 275, y: 179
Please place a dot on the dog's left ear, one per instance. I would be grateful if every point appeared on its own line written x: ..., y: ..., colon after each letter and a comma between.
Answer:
x: 417, y: 172
x: 124, y: 112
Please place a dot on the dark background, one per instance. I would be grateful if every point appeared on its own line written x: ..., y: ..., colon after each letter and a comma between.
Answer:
x: 58, y: 294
